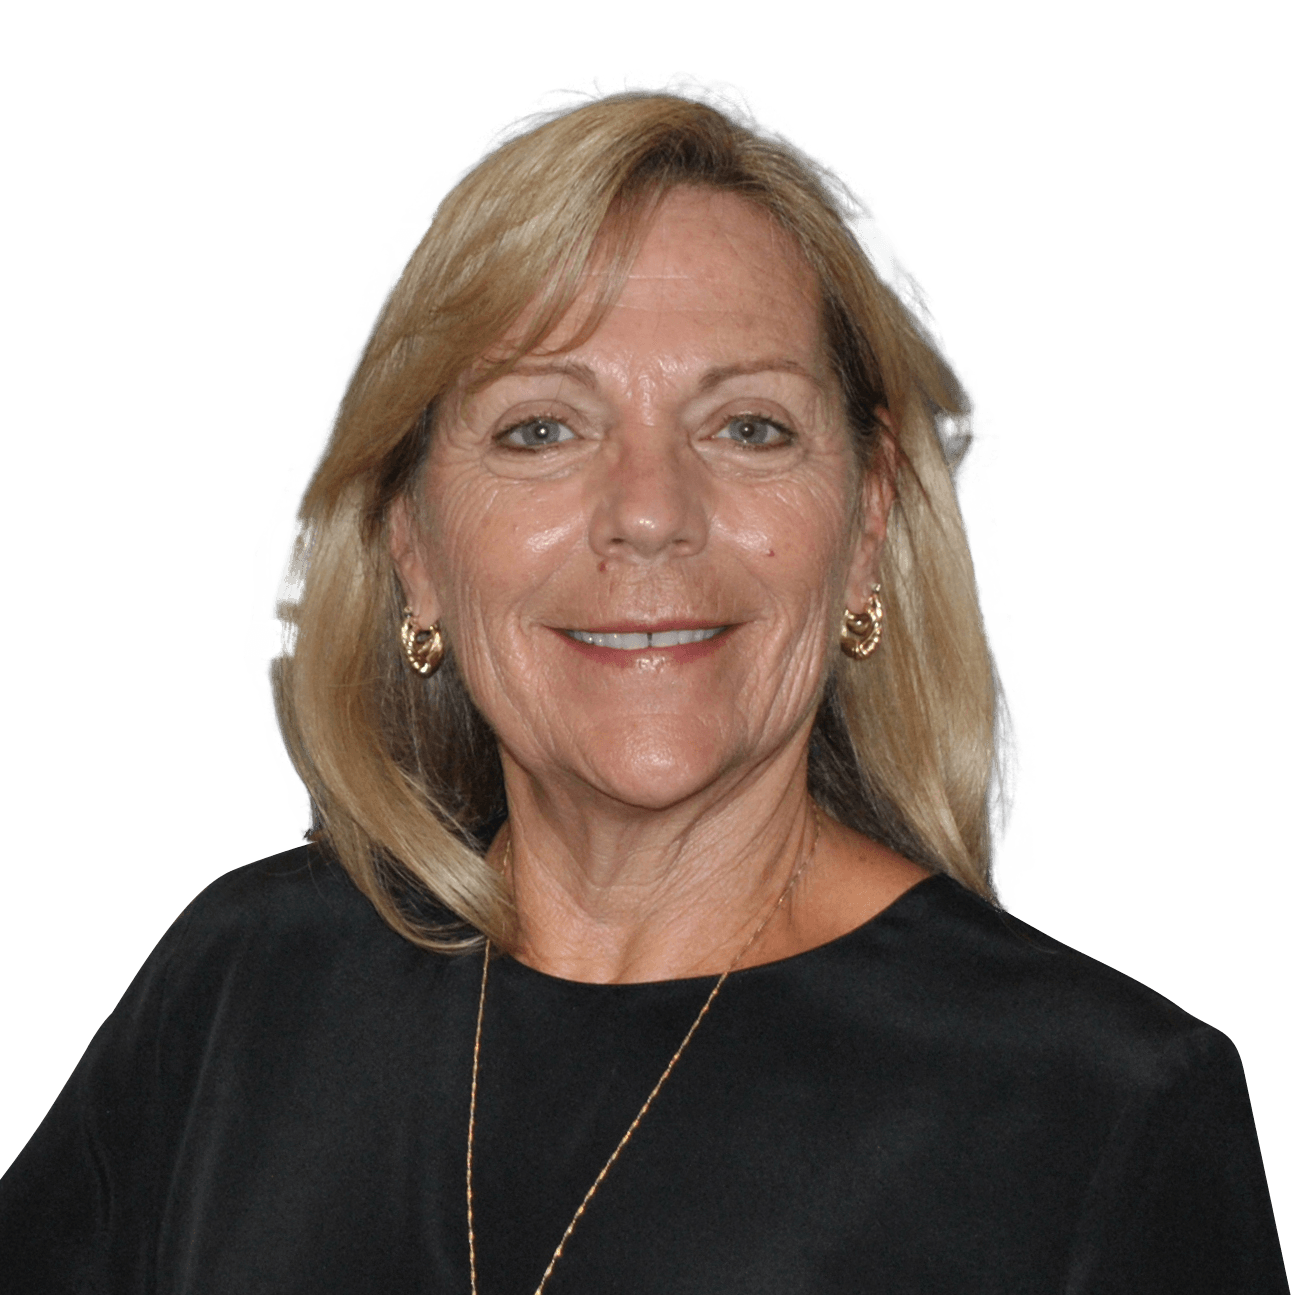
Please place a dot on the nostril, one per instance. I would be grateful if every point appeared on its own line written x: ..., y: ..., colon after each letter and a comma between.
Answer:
x: 649, y: 500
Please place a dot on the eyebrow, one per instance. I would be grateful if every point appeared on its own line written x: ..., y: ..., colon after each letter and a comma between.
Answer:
x: 711, y: 379
x: 715, y: 377
x: 573, y: 369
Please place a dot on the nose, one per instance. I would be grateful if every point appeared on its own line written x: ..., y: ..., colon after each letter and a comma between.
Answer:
x: 649, y: 497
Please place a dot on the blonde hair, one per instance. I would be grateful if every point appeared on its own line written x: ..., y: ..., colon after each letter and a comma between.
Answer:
x: 403, y: 772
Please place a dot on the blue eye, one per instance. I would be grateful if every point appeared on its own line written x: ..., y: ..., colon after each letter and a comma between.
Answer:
x: 536, y: 434
x: 757, y: 433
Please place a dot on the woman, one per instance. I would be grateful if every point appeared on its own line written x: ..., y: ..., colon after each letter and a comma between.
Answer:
x: 646, y: 939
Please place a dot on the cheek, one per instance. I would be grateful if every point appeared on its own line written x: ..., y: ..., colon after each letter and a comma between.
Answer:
x: 492, y: 541
x: 796, y: 542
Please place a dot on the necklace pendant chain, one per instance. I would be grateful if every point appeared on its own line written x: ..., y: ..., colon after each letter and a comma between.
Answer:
x: 656, y: 1088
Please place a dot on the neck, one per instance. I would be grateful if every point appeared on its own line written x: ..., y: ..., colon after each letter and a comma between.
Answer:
x: 610, y: 893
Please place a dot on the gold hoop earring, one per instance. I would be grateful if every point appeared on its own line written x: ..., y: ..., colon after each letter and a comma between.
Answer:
x: 424, y: 649
x: 861, y: 633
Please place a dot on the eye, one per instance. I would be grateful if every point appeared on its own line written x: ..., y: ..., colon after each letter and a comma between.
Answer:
x: 755, y: 432
x: 536, y: 434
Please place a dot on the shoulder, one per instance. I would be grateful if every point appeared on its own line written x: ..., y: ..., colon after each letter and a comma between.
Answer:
x: 282, y: 927
x: 1000, y: 986
x: 286, y: 898
x: 1130, y: 1109
x: 300, y: 890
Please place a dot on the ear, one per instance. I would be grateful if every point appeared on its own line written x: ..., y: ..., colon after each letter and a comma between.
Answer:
x: 411, y: 565
x: 878, y: 494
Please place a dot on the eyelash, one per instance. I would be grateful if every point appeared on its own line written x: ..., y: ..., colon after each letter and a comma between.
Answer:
x: 789, y: 436
x: 502, y: 437
x: 786, y: 432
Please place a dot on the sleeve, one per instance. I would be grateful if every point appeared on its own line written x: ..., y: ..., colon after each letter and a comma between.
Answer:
x: 1179, y: 1203
x: 78, y: 1205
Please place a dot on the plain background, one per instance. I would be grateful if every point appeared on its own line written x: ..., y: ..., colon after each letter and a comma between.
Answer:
x: 208, y: 204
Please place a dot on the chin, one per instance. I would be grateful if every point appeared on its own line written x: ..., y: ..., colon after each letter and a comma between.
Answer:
x: 655, y: 767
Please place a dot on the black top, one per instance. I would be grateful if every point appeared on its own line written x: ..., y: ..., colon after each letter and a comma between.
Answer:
x: 943, y: 1100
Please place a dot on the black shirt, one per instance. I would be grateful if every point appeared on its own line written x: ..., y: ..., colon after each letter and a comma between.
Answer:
x: 943, y: 1100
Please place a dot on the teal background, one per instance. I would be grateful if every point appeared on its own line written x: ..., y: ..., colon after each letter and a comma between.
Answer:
x: 208, y: 205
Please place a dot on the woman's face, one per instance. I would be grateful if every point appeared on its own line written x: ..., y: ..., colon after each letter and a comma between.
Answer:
x: 640, y: 548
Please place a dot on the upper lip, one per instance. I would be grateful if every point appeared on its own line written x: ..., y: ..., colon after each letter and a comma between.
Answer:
x: 648, y: 627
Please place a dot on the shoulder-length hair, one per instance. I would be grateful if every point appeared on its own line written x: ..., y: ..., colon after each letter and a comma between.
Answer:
x: 403, y: 771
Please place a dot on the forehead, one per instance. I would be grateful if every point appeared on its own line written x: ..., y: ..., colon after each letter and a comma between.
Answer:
x: 714, y: 279
x: 705, y: 248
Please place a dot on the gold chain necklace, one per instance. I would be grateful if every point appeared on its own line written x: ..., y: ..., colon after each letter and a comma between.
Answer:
x: 656, y: 1088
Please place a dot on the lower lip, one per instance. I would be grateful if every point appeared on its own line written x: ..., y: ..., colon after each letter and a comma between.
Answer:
x: 628, y: 657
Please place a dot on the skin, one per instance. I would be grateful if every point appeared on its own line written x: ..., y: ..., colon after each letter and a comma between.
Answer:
x: 686, y: 466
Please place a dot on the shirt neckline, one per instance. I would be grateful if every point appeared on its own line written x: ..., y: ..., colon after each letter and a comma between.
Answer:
x: 522, y: 972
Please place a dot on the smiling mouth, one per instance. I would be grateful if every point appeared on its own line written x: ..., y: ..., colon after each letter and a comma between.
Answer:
x: 642, y: 641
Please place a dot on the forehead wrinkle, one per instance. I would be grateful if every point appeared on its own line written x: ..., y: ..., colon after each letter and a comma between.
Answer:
x: 647, y: 374
x: 712, y: 378
x: 576, y: 370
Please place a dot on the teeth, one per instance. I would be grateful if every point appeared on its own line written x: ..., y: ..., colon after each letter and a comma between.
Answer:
x: 677, y: 638
x: 638, y: 642
x: 625, y: 642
